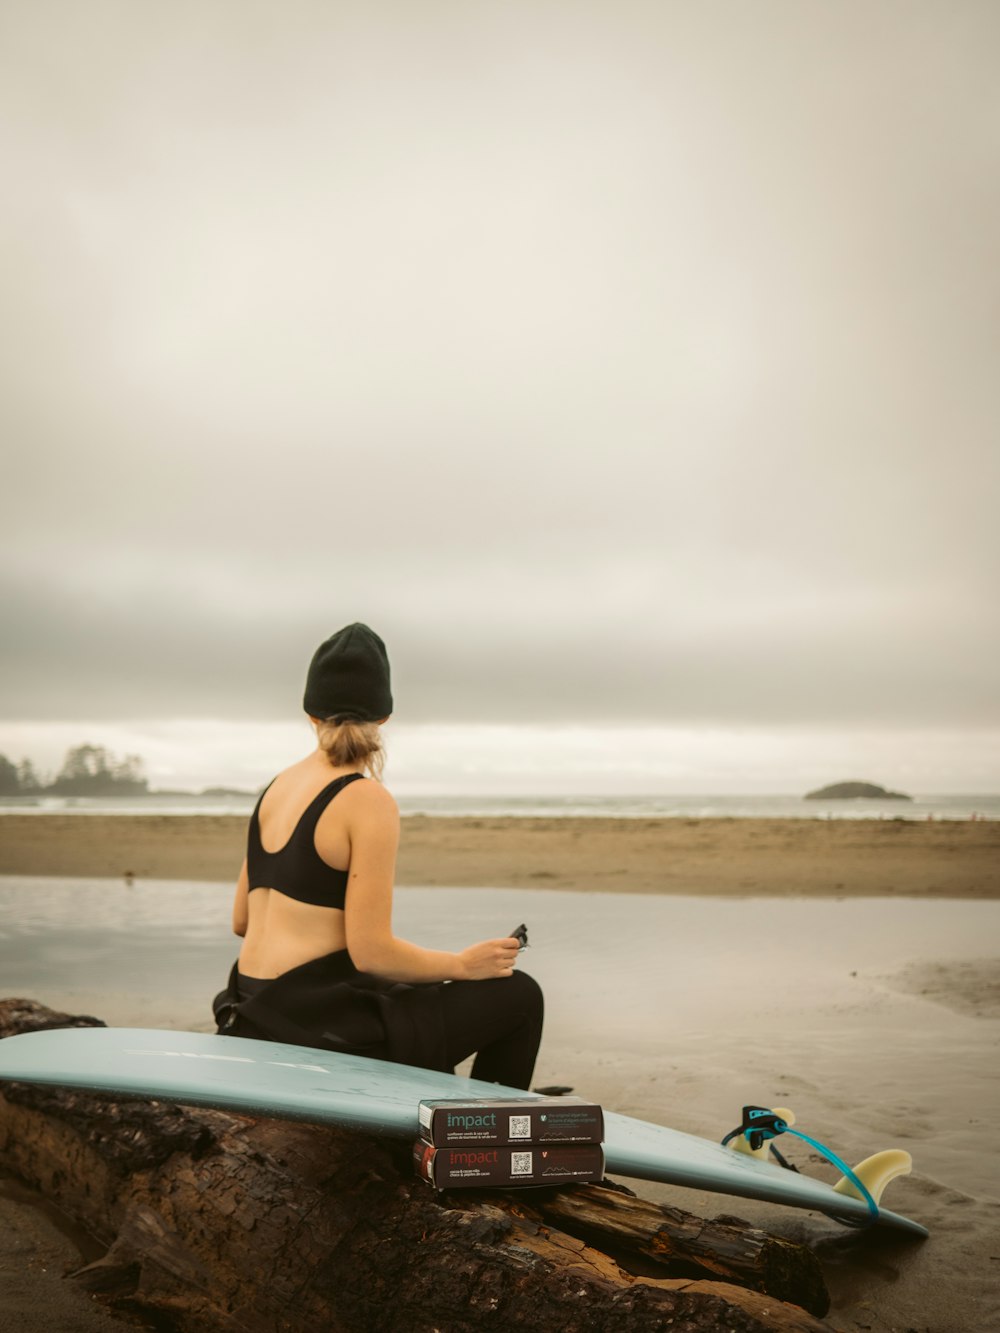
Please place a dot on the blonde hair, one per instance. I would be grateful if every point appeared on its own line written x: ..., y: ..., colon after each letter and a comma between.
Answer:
x: 346, y: 742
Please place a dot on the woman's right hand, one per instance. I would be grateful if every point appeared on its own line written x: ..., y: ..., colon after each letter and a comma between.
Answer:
x: 488, y: 958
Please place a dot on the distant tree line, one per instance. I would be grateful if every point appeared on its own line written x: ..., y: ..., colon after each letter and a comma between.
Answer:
x: 88, y: 770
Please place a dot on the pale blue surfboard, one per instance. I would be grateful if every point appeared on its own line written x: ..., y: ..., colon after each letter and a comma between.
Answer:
x: 302, y: 1083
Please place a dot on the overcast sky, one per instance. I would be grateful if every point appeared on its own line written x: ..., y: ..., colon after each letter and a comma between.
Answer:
x: 624, y: 365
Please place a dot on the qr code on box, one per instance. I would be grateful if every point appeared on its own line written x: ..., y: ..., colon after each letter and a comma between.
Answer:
x: 520, y: 1127
x: 520, y: 1163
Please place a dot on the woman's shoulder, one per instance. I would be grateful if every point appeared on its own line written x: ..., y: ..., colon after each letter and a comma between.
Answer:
x: 363, y: 798
x: 370, y: 794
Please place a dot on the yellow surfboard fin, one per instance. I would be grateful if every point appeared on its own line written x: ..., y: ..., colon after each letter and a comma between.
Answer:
x: 876, y: 1171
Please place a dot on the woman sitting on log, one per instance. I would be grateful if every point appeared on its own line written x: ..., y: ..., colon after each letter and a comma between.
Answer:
x: 319, y: 965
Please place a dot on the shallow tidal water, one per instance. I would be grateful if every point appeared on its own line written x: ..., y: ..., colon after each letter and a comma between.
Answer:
x: 876, y: 1020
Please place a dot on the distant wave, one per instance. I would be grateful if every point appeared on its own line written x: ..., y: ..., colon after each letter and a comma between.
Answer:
x: 452, y: 805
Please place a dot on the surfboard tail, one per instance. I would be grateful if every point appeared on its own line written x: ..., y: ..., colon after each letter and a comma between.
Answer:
x: 873, y: 1174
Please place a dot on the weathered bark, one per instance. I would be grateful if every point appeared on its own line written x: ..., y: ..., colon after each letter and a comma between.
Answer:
x: 680, y: 1242
x: 215, y: 1221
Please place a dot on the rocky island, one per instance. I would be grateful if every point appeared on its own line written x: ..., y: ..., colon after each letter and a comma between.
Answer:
x: 846, y: 791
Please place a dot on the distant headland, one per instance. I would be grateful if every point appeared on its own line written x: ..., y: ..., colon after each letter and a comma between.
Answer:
x: 90, y: 770
x: 846, y: 791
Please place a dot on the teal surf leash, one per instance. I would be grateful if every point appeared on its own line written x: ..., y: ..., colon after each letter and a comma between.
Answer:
x: 760, y: 1125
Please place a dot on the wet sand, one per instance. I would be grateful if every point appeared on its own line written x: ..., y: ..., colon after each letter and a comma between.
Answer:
x: 735, y: 857
x: 874, y: 1019
x: 38, y: 1247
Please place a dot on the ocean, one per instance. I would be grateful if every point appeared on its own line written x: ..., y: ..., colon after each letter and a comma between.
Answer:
x: 546, y: 806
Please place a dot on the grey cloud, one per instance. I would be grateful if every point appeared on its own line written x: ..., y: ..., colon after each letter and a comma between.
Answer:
x: 616, y: 364
x: 557, y: 656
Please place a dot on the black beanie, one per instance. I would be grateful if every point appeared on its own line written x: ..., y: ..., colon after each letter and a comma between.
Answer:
x: 349, y: 677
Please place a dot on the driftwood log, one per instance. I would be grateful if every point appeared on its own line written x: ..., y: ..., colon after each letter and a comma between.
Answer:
x: 215, y: 1221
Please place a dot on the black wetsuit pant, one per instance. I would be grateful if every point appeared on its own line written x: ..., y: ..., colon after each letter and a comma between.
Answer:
x: 501, y: 1020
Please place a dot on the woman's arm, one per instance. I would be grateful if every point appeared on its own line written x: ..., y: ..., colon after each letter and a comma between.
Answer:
x: 374, y: 832
x: 241, y: 913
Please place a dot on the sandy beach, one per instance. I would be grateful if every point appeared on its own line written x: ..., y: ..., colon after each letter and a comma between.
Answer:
x: 737, y: 857
x: 870, y: 949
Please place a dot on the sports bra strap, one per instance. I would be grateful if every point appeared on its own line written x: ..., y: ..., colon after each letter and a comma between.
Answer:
x: 297, y: 870
x: 310, y: 815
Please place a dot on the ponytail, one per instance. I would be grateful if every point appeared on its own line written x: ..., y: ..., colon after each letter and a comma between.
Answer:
x: 345, y: 742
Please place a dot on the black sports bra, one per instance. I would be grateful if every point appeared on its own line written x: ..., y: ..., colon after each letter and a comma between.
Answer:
x: 297, y: 870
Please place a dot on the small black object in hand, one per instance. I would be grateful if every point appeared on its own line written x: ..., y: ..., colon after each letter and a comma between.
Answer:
x: 521, y: 935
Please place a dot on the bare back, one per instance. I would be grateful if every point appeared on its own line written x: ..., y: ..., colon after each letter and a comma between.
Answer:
x: 282, y: 932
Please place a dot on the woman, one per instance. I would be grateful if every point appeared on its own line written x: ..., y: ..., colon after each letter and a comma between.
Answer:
x: 319, y: 965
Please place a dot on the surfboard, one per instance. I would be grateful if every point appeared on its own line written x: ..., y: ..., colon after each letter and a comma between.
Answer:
x: 374, y: 1096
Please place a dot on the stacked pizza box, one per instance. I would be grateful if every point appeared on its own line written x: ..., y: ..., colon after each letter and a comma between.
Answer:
x: 505, y: 1142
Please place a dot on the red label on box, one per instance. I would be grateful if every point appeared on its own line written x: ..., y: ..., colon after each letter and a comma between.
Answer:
x: 506, y: 1166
